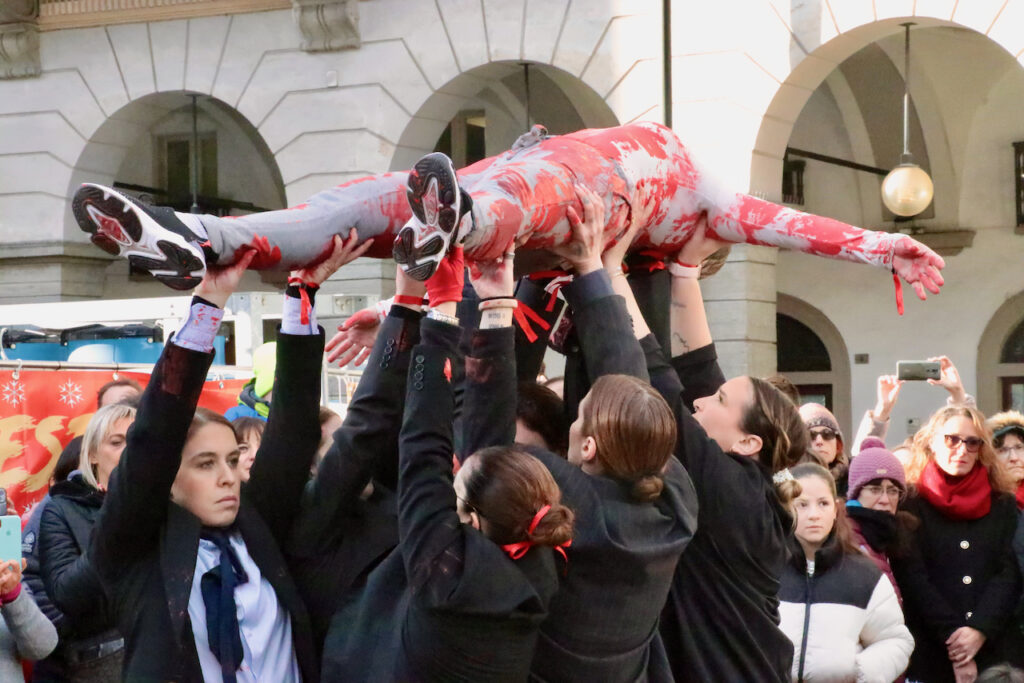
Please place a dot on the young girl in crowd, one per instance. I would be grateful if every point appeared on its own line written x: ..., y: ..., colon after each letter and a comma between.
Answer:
x: 839, y: 610
x: 635, y: 504
x: 721, y: 620
x: 877, y: 485
x: 91, y: 647
x: 960, y: 581
x: 463, y: 595
x: 190, y: 558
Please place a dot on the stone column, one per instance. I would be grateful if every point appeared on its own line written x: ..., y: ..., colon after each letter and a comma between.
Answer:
x: 740, y: 301
x: 19, y: 38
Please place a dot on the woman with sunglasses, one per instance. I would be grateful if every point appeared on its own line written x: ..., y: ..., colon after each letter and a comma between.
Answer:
x: 1008, y: 440
x: 826, y: 441
x: 959, y: 579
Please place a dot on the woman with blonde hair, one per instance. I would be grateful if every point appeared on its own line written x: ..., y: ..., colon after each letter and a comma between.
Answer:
x: 959, y: 578
x: 91, y: 648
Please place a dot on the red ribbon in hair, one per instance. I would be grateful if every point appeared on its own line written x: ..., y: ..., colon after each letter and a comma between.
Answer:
x: 517, y: 550
x: 521, y: 313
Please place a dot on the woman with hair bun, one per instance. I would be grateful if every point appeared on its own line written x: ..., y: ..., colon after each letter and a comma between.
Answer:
x: 634, y: 502
x: 960, y: 580
x: 463, y: 595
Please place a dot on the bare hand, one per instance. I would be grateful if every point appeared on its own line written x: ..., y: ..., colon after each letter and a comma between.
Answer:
x: 700, y: 244
x: 642, y: 205
x: 342, y: 252
x: 220, y: 282
x: 918, y: 265
x: 583, y: 251
x: 10, y: 575
x: 355, y: 337
x: 966, y: 672
x: 493, y: 279
x: 963, y: 644
x: 949, y: 379
x: 888, y: 390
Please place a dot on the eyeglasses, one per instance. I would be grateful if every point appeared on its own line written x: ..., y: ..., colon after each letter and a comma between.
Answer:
x: 890, y: 492
x: 826, y: 434
x: 972, y: 444
x: 1005, y: 451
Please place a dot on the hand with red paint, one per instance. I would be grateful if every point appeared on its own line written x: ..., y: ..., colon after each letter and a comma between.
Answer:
x: 494, y: 279
x: 583, y: 251
x: 342, y: 252
x: 701, y: 244
x: 642, y: 206
x: 220, y: 282
x: 918, y: 265
x: 355, y: 337
x: 445, y: 285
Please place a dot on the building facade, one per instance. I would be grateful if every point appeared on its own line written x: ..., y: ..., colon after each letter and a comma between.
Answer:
x: 266, y: 102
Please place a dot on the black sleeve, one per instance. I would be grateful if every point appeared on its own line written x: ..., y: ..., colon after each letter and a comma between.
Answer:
x: 135, y: 506
x: 428, y: 524
x: 1002, y: 592
x: 489, y: 391
x: 292, y: 436
x: 699, y: 373
x: 367, y: 441
x: 604, y: 328
x: 69, y: 578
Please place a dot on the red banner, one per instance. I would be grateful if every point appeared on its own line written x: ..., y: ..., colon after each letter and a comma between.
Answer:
x: 42, y: 410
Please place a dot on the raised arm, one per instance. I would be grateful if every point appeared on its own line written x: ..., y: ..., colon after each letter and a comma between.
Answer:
x: 140, y: 486
x: 366, y: 444
x: 292, y: 436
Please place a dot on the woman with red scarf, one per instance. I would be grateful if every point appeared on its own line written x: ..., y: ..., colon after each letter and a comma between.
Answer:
x: 960, y: 579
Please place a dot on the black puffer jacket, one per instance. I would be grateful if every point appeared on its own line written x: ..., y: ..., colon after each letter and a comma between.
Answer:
x: 70, y: 580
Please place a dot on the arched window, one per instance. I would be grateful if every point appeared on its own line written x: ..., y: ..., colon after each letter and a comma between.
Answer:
x: 1001, y: 359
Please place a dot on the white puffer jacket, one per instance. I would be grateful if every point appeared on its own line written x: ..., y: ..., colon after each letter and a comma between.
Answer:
x: 845, y: 621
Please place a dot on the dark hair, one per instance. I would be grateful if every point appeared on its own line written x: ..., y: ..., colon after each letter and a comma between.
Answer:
x: 66, y: 463
x: 635, y: 432
x: 786, y: 386
x: 773, y: 417
x: 244, y: 426
x: 543, y: 411
x: 120, y: 382
x: 205, y: 416
x: 842, y: 531
x: 507, y: 487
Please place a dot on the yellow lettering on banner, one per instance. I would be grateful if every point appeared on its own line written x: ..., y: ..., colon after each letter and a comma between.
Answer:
x: 44, y: 435
x: 12, y: 477
x: 78, y: 425
x: 9, y: 426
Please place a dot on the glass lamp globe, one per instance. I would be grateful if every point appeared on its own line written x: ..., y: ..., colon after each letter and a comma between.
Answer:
x: 907, y: 190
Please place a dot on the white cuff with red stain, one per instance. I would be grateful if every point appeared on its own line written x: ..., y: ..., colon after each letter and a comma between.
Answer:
x: 200, y: 328
x: 298, y: 317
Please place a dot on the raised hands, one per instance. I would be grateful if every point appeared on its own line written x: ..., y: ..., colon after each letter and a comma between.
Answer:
x: 583, y: 251
x: 342, y: 252
x: 220, y: 282
x: 918, y: 265
x: 492, y: 279
x: 10, y: 575
x: 888, y: 390
x: 642, y: 206
x: 949, y: 379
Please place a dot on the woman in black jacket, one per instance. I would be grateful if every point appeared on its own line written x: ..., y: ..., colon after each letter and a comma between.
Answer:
x: 721, y: 620
x: 635, y: 504
x: 463, y: 595
x: 191, y: 558
x: 91, y: 648
x: 960, y: 581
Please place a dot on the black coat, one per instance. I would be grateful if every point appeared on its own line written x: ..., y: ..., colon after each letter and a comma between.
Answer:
x: 448, y: 604
x: 145, y: 550
x: 339, y: 537
x: 960, y: 573
x: 603, y: 623
x: 721, y: 620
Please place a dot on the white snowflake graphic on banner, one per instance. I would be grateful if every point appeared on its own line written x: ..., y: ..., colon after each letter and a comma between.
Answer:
x: 14, y: 393
x: 70, y: 393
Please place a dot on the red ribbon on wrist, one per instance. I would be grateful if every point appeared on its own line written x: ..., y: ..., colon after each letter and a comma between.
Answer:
x: 899, y: 292
x: 408, y: 300
x: 521, y: 313
x: 305, y: 307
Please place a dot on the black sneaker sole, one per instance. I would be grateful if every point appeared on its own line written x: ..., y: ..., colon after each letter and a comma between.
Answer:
x: 119, y: 227
x: 434, y: 197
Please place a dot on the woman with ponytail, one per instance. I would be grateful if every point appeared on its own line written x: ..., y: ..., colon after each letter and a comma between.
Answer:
x: 721, y: 620
x: 463, y: 595
x: 634, y: 503
x: 959, y: 579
